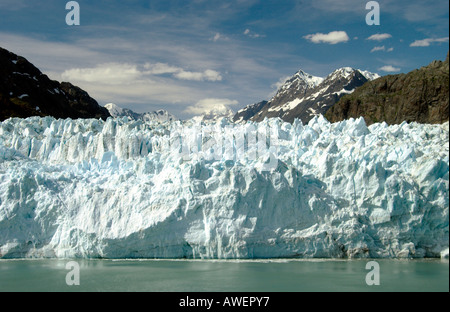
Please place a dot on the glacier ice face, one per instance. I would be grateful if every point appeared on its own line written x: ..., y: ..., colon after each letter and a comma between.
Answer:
x: 131, y: 189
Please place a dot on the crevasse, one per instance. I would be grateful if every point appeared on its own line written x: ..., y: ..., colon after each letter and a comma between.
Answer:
x: 134, y: 189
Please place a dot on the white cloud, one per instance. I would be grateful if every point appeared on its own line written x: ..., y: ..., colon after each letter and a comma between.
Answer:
x: 110, y: 73
x: 207, y: 75
x: 333, y: 37
x: 427, y: 42
x: 389, y: 69
x: 219, y: 36
x: 160, y: 68
x: 382, y: 48
x: 117, y: 73
x: 252, y: 34
x: 379, y: 37
x: 209, y: 105
x: 180, y: 73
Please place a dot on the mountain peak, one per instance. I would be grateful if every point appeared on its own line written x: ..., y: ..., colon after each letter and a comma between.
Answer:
x: 113, y: 109
x: 308, y: 79
x: 346, y: 72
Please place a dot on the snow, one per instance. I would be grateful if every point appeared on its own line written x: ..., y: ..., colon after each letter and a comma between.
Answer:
x: 292, y: 104
x: 346, y: 72
x: 315, y: 95
x: 128, y: 189
x: 22, y: 74
x: 369, y: 76
x: 344, y: 91
x: 308, y: 80
x: 114, y: 110
x: 313, y: 111
x: 312, y: 81
x: 276, y: 108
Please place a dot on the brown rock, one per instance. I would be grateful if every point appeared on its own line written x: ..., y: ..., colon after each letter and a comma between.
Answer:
x: 419, y: 96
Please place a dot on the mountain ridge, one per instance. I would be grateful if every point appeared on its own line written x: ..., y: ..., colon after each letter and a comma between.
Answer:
x: 304, y: 96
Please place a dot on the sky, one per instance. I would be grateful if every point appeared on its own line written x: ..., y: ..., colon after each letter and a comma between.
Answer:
x: 188, y: 57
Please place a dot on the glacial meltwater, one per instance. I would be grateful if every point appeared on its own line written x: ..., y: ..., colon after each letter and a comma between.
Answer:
x: 224, y: 275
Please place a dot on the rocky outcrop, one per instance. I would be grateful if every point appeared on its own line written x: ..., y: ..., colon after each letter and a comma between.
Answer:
x: 25, y: 91
x: 418, y: 96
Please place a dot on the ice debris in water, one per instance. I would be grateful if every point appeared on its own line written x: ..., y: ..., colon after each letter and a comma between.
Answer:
x: 128, y: 189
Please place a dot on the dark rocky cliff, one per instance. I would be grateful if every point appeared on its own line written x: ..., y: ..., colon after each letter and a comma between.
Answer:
x: 26, y: 92
x: 421, y: 96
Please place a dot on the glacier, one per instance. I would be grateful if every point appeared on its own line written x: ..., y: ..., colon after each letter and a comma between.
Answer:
x: 125, y: 188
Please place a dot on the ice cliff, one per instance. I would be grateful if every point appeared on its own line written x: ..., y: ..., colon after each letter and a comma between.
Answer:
x: 131, y: 189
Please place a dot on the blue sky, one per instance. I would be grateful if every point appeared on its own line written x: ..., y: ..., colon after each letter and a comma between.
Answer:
x: 189, y: 56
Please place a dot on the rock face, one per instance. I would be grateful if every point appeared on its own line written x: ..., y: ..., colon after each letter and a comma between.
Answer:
x: 304, y: 96
x: 248, y: 112
x: 421, y: 96
x: 26, y: 92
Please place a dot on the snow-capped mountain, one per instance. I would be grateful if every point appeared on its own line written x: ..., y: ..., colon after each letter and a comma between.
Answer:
x: 214, y: 115
x: 304, y: 96
x: 158, y: 116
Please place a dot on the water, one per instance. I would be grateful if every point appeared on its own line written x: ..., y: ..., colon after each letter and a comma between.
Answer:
x: 223, y: 276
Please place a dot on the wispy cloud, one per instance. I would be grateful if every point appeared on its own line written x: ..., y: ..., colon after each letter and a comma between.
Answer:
x: 207, y: 75
x: 389, y: 69
x: 333, y: 37
x: 252, y: 34
x: 379, y: 37
x: 48, y: 56
x: 216, y: 37
x: 116, y: 73
x: 110, y: 73
x: 160, y: 68
x: 381, y: 48
x: 427, y: 42
x: 431, y: 11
